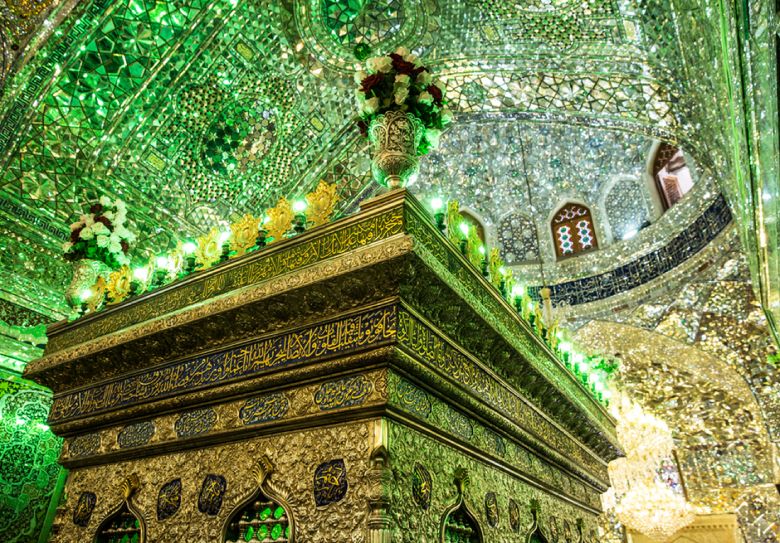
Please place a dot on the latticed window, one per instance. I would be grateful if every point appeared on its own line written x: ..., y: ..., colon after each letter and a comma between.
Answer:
x: 573, y: 230
x: 261, y: 520
x: 460, y: 527
x: 121, y: 527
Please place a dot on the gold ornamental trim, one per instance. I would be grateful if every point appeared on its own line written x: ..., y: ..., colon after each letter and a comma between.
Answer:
x: 328, y: 241
x: 341, y: 336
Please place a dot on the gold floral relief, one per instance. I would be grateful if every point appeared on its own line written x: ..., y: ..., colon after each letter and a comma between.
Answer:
x: 244, y: 234
x: 321, y: 203
x: 119, y: 285
x: 280, y: 220
x: 208, y: 250
x: 295, y: 457
x: 413, y: 524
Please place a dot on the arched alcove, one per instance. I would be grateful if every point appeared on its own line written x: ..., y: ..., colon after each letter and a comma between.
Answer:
x: 124, y: 523
x: 120, y: 527
x: 459, y: 524
x: 625, y: 205
x: 517, y: 238
x: 263, y: 515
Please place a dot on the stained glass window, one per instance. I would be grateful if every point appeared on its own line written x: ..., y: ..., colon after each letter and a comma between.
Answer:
x: 121, y: 527
x: 262, y: 519
x: 573, y: 230
x: 461, y: 527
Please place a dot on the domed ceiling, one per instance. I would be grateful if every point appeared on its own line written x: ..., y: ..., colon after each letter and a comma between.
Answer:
x: 195, y: 112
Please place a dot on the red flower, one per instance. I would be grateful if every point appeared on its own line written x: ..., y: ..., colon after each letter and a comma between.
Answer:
x: 370, y: 82
x: 125, y: 246
x: 74, y: 234
x: 96, y: 209
x: 435, y: 91
x: 405, y: 67
x: 363, y: 126
x: 104, y: 220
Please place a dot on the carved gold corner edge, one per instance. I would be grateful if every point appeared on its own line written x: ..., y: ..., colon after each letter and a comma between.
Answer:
x: 379, y: 251
x: 401, y: 416
x: 569, y: 453
x: 427, y: 244
x: 408, y: 316
x: 388, y: 220
x: 302, y: 412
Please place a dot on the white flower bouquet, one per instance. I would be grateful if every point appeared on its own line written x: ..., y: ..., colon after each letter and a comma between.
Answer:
x: 101, y: 235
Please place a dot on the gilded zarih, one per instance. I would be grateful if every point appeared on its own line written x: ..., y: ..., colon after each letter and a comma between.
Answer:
x: 389, y: 390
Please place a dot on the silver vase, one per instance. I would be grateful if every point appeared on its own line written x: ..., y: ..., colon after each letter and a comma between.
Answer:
x: 395, y: 137
x: 85, y: 274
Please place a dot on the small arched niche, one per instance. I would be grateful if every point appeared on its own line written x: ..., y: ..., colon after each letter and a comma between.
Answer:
x: 124, y: 524
x: 459, y: 524
x: 535, y: 534
x: 264, y: 516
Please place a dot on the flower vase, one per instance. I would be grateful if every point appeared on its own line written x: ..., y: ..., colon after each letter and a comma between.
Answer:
x: 85, y: 275
x: 395, y: 137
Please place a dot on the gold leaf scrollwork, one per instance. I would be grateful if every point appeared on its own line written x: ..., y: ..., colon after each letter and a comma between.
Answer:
x: 119, y: 285
x: 130, y: 485
x: 244, y: 234
x: 280, y: 219
x: 262, y: 470
x: 208, y: 250
x: 321, y: 203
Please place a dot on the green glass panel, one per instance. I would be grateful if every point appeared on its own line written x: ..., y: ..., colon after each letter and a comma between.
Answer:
x: 265, y: 513
x: 276, y: 531
x: 249, y: 533
x: 279, y: 512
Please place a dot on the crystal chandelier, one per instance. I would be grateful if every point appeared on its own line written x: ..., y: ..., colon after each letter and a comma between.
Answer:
x: 654, y: 510
x: 641, y: 502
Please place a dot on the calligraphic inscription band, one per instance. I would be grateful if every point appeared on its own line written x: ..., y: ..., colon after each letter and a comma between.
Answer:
x: 413, y: 399
x: 432, y: 348
x: 264, y: 408
x: 350, y: 333
x: 344, y: 392
x: 253, y: 271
